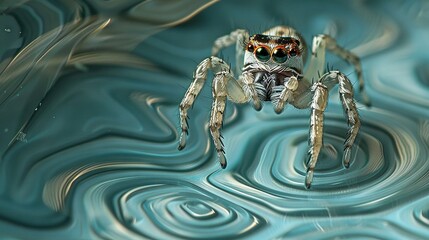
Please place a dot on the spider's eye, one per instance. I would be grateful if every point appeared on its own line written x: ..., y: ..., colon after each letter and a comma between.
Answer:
x: 293, y: 52
x: 262, y: 54
x: 279, y: 55
x: 250, y: 47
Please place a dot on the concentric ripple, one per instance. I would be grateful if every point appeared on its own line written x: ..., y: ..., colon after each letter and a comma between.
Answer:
x: 99, y: 159
x: 162, y: 208
x: 350, y: 229
x: 269, y: 168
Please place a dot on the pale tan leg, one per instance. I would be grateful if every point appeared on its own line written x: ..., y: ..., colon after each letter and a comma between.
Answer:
x: 224, y: 84
x: 237, y: 37
x: 318, y: 106
x: 216, y: 117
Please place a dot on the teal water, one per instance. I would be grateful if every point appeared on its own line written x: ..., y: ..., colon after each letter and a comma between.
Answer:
x: 89, y: 125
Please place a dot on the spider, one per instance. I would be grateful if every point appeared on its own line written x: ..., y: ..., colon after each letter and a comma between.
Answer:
x: 271, y: 66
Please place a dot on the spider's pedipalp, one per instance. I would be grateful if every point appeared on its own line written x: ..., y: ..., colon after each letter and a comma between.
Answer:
x: 287, y: 94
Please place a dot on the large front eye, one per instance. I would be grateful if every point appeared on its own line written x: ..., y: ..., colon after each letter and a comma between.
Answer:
x: 279, y: 55
x: 262, y: 54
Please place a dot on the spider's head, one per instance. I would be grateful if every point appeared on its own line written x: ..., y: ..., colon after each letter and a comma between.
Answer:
x: 276, y: 48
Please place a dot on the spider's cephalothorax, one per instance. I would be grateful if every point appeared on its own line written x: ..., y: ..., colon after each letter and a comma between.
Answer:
x: 270, y: 68
x: 273, y: 58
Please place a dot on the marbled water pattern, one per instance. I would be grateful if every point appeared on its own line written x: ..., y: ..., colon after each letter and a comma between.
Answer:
x: 89, y: 126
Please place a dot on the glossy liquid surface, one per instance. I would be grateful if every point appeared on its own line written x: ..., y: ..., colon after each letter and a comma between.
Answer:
x: 99, y: 159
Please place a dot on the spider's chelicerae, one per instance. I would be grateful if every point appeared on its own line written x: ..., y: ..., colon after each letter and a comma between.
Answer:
x: 271, y: 66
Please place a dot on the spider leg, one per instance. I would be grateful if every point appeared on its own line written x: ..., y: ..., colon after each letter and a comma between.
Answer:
x: 317, y: 67
x: 318, y: 105
x: 351, y: 58
x: 224, y: 85
x: 239, y: 37
x: 194, y: 89
x: 349, y: 106
x: 218, y: 108
x: 244, y: 89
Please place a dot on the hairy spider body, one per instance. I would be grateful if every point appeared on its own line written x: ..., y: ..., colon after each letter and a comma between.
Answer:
x: 270, y: 68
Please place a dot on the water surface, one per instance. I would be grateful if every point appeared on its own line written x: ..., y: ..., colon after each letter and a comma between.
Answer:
x: 89, y: 126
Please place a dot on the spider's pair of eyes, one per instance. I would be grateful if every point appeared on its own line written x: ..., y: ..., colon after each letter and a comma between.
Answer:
x: 279, y: 54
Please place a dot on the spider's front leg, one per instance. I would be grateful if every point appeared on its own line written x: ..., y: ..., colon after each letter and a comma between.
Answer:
x: 194, y: 89
x: 218, y: 108
x: 224, y: 84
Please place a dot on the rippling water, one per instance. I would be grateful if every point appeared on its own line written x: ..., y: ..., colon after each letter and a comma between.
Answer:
x: 98, y: 157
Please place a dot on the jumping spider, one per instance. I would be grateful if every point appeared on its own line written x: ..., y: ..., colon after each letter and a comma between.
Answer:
x: 271, y: 66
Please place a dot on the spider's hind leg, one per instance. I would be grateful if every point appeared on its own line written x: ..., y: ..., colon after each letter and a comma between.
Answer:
x: 351, y: 58
x: 237, y: 37
x: 224, y: 85
x: 323, y: 42
x: 194, y: 89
